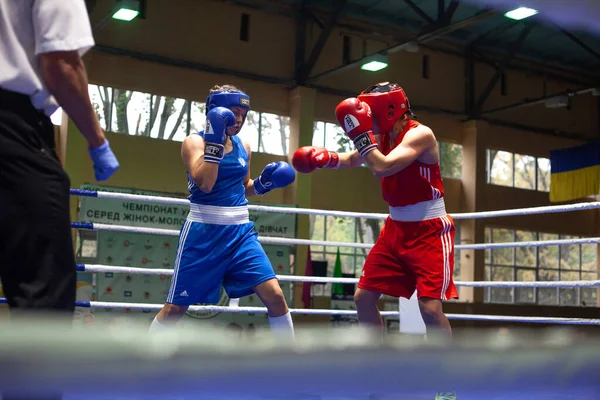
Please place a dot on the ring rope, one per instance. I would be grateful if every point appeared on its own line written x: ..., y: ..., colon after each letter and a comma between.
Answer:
x: 307, y: 311
x: 307, y: 242
x: 307, y: 211
x: 325, y: 279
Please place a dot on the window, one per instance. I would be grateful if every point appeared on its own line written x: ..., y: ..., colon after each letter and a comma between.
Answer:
x: 274, y: 134
x: 167, y: 120
x: 141, y: 114
x: 160, y: 117
x: 355, y: 230
x: 500, y: 168
x: 543, y: 174
x: 101, y: 98
x: 198, y: 117
x: 331, y: 136
x: 251, y: 130
x: 548, y: 263
x: 525, y: 173
x: 450, y: 160
x: 518, y: 170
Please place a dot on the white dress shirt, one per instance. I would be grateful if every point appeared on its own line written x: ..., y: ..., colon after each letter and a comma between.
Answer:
x: 29, y: 28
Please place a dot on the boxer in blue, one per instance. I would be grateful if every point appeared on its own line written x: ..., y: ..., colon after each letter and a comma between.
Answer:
x: 217, y: 243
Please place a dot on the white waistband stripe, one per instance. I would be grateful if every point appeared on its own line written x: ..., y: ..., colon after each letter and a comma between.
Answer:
x: 218, y: 215
x: 419, y: 212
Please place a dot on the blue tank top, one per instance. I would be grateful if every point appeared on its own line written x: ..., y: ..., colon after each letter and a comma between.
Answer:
x: 229, y: 190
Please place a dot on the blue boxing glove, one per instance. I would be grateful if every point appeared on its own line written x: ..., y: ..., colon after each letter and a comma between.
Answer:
x: 273, y: 176
x: 105, y: 162
x: 217, y: 121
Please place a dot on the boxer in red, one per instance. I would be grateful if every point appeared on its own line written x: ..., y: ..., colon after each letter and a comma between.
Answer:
x: 415, y: 250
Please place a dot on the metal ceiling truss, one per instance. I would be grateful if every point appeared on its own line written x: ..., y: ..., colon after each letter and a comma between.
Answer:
x: 477, y: 39
x: 446, y: 16
x: 431, y: 32
x: 579, y: 42
x: 540, y: 100
x: 316, y: 20
x: 301, y: 23
x: 477, y: 54
x: 373, y: 5
x: 441, y: 9
x: 513, y: 50
x: 533, y: 67
x: 420, y: 12
x: 321, y: 41
x: 561, y: 68
x: 480, y: 40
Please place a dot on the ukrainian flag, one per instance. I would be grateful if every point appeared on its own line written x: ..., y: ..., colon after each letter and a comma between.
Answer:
x: 575, y: 172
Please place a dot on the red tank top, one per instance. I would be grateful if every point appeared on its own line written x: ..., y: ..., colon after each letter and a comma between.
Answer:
x: 416, y: 183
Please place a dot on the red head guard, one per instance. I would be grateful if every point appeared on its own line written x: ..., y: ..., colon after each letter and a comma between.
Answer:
x: 388, y: 102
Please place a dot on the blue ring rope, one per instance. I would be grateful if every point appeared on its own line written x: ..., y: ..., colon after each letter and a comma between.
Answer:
x: 78, y: 303
x: 85, y: 193
x: 83, y: 225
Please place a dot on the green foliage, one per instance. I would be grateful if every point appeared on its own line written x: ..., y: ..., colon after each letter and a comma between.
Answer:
x: 518, y: 170
x: 340, y: 229
x: 450, y: 159
x: 343, y: 142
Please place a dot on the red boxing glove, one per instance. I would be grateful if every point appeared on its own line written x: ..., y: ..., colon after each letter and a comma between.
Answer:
x: 354, y: 116
x: 308, y: 158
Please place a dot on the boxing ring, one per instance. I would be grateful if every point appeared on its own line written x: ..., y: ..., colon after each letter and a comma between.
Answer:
x: 125, y: 360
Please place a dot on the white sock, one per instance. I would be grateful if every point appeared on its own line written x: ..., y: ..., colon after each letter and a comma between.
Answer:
x: 282, y: 327
x: 158, y: 326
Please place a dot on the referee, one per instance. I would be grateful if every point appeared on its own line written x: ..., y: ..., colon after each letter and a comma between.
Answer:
x: 41, y: 42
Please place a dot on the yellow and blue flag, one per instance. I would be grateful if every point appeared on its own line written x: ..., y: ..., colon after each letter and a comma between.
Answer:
x: 575, y: 172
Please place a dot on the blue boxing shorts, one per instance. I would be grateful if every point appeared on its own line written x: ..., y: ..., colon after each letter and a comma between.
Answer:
x: 211, y: 254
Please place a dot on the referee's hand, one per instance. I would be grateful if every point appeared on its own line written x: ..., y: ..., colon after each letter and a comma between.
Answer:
x: 66, y: 78
x: 105, y: 162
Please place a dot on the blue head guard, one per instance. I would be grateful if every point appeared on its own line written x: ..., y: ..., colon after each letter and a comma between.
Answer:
x: 228, y: 99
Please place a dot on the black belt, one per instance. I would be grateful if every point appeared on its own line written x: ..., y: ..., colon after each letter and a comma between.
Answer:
x: 20, y: 104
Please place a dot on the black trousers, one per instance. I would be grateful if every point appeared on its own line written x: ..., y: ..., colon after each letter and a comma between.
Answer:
x: 37, y: 262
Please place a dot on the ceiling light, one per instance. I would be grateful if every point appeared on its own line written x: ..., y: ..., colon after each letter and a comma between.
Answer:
x: 126, y: 10
x: 375, y: 63
x: 520, y: 13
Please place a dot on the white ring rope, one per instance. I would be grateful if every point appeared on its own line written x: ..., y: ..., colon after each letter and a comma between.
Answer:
x: 325, y: 279
x: 308, y: 211
x: 380, y: 216
x: 306, y: 242
x: 225, y: 309
x: 263, y: 310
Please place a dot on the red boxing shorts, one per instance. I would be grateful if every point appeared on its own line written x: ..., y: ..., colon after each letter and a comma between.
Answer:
x: 412, y: 255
